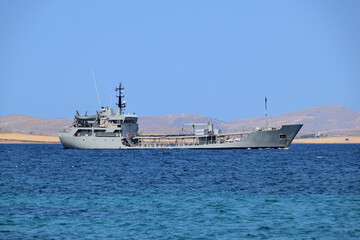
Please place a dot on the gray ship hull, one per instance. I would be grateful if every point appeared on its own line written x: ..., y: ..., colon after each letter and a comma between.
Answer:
x: 279, y: 138
x: 107, y: 130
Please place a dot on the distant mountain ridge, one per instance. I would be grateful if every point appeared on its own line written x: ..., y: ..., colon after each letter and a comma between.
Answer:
x: 27, y: 124
x: 322, y: 118
x: 332, y: 119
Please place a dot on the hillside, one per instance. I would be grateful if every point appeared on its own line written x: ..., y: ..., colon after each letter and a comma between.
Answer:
x: 331, y: 119
x: 33, y: 125
x: 174, y: 123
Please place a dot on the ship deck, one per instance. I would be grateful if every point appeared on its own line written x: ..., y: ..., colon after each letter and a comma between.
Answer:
x: 169, y: 136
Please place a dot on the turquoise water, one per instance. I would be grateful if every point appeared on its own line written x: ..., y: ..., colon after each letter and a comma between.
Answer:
x: 306, y: 192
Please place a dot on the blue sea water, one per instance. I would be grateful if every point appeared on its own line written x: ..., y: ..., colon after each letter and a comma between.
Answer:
x: 306, y: 192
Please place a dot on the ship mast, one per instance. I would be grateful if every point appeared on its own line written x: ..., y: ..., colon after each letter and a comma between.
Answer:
x: 266, y: 118
x: 121, y: 104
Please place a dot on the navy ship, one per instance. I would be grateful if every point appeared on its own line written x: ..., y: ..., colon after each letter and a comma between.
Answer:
x: 107, y: 130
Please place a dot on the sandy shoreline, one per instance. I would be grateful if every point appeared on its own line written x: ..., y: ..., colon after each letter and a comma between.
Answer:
x: 329, y: 140
x: 27, y: 138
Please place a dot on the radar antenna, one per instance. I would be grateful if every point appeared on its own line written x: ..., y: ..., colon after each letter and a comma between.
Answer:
x: 121, y: 104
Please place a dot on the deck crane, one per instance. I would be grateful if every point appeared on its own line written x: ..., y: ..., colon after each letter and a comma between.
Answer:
x: 210, y: 126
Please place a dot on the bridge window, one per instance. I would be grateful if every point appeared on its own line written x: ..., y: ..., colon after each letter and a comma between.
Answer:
x: 83, y: 133
x: 129, y: 121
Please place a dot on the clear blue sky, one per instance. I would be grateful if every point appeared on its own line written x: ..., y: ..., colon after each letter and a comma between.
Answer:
x: 216, y: 58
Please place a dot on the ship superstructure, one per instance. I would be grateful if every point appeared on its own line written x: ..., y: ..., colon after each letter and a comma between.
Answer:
x: 107, y: 130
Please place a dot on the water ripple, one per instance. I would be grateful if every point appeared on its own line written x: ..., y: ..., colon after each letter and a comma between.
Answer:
x: 308, y: 191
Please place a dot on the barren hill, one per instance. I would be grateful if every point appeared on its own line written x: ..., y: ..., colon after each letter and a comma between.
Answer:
x: 27, y: 124
x: 332, y: 119
x: 174, y: 123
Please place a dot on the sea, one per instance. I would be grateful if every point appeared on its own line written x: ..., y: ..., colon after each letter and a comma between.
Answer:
x: 309, y: 191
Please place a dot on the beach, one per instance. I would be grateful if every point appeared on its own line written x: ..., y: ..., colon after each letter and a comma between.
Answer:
x: 27, y: 138
x: 344, y: 139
